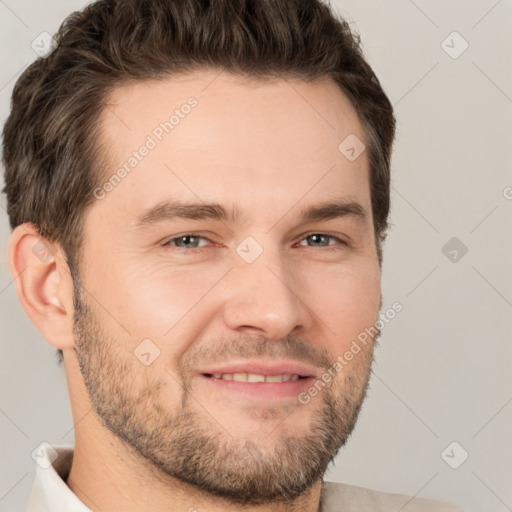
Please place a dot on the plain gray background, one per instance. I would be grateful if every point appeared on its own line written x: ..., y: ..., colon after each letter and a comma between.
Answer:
x: 442, y: 371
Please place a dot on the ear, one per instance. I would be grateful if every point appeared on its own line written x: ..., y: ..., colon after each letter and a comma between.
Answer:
x: 43, y: 284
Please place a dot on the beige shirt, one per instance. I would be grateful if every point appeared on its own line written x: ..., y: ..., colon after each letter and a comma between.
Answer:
x: 51, y: 494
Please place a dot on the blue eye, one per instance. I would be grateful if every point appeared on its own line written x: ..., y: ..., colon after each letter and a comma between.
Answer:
x: 186, y: 241
x: 191, y: 242
x: 321, y: 238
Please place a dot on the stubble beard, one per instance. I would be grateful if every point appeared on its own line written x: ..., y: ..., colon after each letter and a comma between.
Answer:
x: 190, y: 446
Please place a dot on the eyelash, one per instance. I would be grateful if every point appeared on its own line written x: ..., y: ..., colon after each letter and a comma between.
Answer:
x: 199, y: 249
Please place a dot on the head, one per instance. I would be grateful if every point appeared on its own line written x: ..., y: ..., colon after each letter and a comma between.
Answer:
x: 248, y: 110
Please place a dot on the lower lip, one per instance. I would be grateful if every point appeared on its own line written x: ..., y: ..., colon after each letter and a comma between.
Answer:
x: 265, y: 390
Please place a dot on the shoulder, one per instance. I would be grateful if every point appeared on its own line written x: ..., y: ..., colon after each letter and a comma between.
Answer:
x: 352, y: 498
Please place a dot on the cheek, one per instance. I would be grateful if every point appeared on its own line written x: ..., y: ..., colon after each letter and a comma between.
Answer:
x: 345, y: 302
x: 173, y: 304
x: 160, y: 302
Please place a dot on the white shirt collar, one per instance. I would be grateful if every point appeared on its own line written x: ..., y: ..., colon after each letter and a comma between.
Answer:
x: 49, y: 491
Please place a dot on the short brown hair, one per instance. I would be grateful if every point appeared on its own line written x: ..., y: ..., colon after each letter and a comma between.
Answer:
x: 50, y: 150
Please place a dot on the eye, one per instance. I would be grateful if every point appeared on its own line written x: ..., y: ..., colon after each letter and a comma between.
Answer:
x: 191, y: 242
x: 188, y: 241
x: 322, y: 240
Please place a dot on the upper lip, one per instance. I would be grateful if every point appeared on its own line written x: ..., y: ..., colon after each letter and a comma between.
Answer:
x: 262, y: 367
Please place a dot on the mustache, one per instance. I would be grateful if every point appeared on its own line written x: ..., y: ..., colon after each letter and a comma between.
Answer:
x: 251, y: 347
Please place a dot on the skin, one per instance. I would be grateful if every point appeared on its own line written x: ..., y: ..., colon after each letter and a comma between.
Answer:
x: 275, y: 144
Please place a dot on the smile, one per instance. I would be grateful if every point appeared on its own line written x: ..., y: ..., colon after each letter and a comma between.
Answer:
x: 254, y: 377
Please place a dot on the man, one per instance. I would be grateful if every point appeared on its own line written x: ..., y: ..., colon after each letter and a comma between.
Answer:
x: 198, y: 195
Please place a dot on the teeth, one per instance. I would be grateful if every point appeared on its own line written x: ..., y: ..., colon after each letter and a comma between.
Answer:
x: 253, y: 377
x: 274, y: 378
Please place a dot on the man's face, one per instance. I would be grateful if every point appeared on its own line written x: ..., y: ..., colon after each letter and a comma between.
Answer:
x: 267, y: 294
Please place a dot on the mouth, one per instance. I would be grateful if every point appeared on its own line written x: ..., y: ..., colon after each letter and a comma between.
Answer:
x: 260, y: 379
x: 255, y: 377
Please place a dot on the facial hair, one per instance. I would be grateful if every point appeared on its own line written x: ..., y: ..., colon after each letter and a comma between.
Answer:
x: 187, y: 444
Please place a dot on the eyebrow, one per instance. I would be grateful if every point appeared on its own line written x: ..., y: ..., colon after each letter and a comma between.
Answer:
x: 172, y: 210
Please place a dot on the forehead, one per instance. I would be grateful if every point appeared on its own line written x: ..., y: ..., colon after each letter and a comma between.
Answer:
x: 221, y: 137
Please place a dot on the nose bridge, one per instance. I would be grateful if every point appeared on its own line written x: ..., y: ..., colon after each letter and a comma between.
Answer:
x: 262, y: 293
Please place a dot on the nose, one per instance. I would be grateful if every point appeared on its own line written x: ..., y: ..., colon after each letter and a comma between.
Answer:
x: 264, y: 298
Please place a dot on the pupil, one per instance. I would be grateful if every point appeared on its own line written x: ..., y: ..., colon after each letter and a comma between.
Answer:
x: 317, y: 238
x: 186, y: 240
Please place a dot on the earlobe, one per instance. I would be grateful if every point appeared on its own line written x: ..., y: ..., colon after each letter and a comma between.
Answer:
x: 43, y: 284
